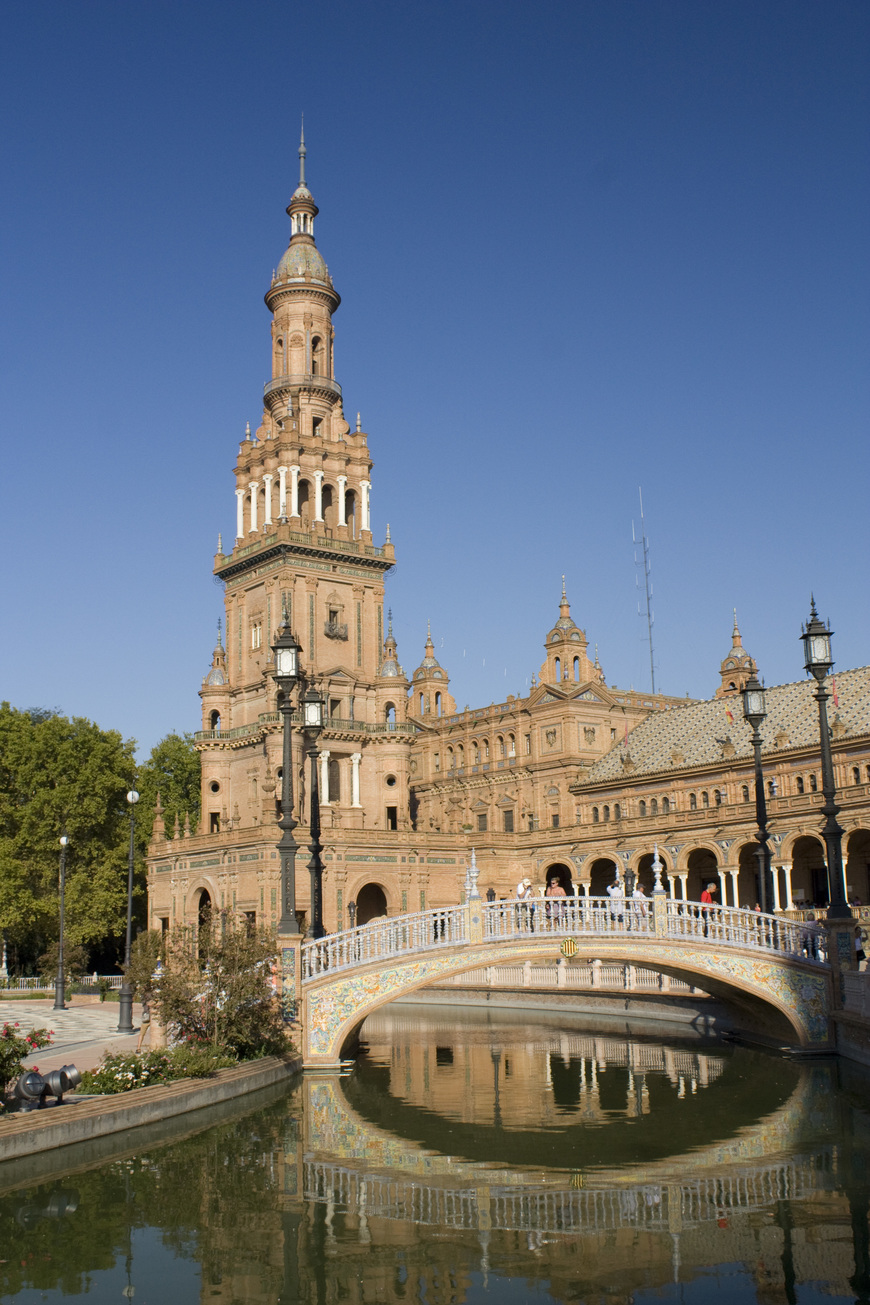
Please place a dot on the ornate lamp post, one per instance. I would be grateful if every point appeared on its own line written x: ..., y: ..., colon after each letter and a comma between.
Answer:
x: 286, y: 651
x: 818, y: 661
x: 60, y: 980
x: 125, y: 1012
x: 754, y: 712
x: 351, y: 910
x: 312, y: 723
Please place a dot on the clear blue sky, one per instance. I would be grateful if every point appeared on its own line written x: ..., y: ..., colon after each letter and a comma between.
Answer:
x: 581, y: 248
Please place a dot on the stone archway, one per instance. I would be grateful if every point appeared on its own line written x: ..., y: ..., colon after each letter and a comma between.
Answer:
x: 703, y: 869
x: 602, y: 873
x: 561, y: 872
x: 809, y: 873
x: 371, y: 902
x: 204, y: 907
x: 856, y: 853
x: 643, y: 869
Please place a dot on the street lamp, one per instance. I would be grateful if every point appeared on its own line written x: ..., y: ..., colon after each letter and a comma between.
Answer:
x: 60, y: 981
x: 818, y: 661
x: 754, y: 712
x: 286, y: 651
x: 125, y: 1011
x: 351, y: 910
x: 312, y: 723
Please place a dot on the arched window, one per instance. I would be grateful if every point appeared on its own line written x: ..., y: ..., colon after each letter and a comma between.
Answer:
x: 617, y: 812
x: 475, y: 752
x: 705, y: 799
x: 437, y: 761
x: 856, y: 775
x: 451, y: 759
x: 607, y: 813
x: 215, y: 719
x: 422, y: 700
x: 666, y: 806
x: 595, y: 815
x: 390, y: 713
x: 641, y: 807
x: 799, y: 783
x: 512, y: 747
x: 499, y: 749
x: 438, y: 704
x: 693, y: 802
x: 334, y: 781
x: 717, y: 796
x: 771, y: 788
x: 654, y: 807
x: 813, y: 784
x: 460, y: 754
x: 745, y: 792
x: 558, y: 668
x: 486, y: 749
x: 316, y: 356
x: 577, y: 669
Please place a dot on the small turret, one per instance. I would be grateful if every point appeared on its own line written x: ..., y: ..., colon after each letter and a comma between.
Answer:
x: 736, y: 668
x: 566, y: 646
x: 429, y: 696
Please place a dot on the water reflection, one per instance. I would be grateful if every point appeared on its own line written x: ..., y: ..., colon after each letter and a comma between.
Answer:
x: 523, y: 1163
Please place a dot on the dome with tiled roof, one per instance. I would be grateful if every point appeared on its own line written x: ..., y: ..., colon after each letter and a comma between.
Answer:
x: 300, y: 260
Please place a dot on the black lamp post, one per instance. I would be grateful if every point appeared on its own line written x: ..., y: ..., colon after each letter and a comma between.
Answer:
x: 60, y: 980
x: 818, y: 661
x: 125, y: 1009
x: 754, y: 712
x: 286, y: 651
x: 351, y: 910
x: 312, y: 723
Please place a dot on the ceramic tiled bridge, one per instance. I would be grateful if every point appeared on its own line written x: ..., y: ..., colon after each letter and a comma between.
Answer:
x: 767, y: 966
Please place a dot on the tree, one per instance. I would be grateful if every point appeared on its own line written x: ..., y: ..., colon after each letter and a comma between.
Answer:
x: 61, y: 776
x: 173, y: 771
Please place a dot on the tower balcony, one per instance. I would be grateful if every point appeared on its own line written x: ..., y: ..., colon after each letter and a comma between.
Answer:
x: 279, y: 385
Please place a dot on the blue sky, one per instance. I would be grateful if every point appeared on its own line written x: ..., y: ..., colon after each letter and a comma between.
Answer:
x: 581, y: 248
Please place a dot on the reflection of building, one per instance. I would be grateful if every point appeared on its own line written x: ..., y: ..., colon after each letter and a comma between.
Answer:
x: 575, y: 779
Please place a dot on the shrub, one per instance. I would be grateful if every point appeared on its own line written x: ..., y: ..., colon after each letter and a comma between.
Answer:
x: 15, y: 1047
x: 128, y: 1070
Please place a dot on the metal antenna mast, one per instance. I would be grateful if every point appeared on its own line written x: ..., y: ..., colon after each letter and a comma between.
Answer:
x: 644, y: 542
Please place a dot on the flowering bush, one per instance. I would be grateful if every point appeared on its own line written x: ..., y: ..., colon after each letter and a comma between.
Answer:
x: 129, y: 1070
x: 15, y: 1047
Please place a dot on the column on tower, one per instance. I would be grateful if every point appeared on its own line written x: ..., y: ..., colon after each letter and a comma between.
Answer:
x: 355, y: 759
x: 294, y: 490
x: 341, y: 481
x: 318, y: 496
x: 365, y: 490
x: 253, y: 487
x: 324, y: 778
x: 267, y: 499
x: 240, y: 513
x: 282, y: 493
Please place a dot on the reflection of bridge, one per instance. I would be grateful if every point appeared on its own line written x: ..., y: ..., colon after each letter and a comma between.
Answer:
x: 763, y: 961
x: 357, y: 1168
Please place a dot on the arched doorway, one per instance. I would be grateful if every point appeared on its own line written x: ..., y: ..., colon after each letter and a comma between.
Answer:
x: 562, y: 874
x: 645, y: 876
x: 203, y: 908
x: 809, y: 873
x: 857, y: 853
x: 703, y: 869
x: 371, y: 901
x: 602, y: 873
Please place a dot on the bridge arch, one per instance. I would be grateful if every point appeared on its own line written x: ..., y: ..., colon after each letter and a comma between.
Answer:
x: 784, y: 998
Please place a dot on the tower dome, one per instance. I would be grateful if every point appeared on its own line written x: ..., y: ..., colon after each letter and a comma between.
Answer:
x: 737, y: 666
x: 302, y: 261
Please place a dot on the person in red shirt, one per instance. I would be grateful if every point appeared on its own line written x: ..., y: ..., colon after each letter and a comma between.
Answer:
x: 707, y: 900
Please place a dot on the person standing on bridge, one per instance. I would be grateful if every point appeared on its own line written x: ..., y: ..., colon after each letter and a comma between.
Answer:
x: 555, y: 907
x: 617, y: 901
x: 707, y: 901
x: 525, y: 906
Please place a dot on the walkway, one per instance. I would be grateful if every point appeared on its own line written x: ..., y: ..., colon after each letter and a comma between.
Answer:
x: 83, y: 1033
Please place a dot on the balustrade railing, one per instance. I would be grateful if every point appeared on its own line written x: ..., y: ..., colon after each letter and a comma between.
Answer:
x: 590, y: 917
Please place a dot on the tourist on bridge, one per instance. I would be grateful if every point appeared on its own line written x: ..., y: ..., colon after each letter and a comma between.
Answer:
x: 525, y: 906
x: 638, y: 903
x: 707, y: 901
x: 555, y: 907
x: 617, y: 900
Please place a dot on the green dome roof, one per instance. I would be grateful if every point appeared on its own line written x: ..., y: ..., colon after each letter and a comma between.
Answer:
x: 303, y: 257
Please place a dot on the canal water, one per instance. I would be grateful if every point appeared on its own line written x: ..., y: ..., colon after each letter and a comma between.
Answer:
x: 478, y: 1157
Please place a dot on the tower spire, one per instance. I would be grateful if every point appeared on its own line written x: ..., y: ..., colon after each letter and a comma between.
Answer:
x: 302, y: 153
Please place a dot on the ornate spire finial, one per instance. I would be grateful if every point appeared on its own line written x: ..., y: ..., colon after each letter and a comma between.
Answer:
x: 220, y: 542
x: 220, y: 644
x: 736, y: 631
x: 388, y: 540
x: 564, y: 595
x: 358, y: 422
x: 428, y: 631
x: 389, y: 622
x: 247, y: 430
x: 302, y: 153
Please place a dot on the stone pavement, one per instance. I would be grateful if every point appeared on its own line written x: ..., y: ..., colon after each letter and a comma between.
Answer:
x: 83, y: 1033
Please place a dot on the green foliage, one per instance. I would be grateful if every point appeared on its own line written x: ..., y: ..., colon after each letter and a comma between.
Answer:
x: 172, y: 770
x: 75, y: 960
x: 146, y: 954
x: 216, y: 987
x: 59, y: 775
x: 137, y: 1069
x: 16, y: 1047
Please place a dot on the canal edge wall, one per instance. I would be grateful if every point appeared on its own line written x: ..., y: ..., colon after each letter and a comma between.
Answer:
x: 89, y: 1118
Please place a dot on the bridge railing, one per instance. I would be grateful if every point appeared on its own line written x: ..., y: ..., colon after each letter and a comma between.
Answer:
x: 598, y: 917
x: 385, y: 938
